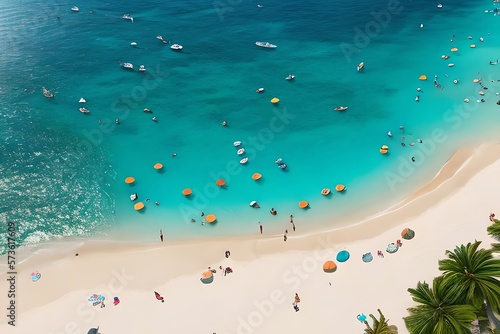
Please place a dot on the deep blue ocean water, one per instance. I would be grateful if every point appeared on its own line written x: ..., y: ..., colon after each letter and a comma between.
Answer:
x: 62, y: 172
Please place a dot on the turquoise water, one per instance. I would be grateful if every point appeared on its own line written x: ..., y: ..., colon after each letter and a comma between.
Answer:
x: 62, y: 172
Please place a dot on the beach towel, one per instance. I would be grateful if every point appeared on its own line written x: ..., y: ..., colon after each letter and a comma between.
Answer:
x: 35, y: 276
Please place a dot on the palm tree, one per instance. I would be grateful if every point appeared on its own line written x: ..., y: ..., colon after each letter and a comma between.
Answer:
x: 494, y: 229
x: 495, y: 248
x: 380, y: 326
x: 473, y: 273
x: 441, y: 310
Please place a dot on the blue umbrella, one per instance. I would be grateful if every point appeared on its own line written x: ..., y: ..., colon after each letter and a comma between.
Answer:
x: 367, y: 257
x: 343, y: 256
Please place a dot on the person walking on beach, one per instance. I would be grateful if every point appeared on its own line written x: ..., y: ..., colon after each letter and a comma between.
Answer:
x: 161, y: 235
x: 260, y: 227
x: 284, y: 237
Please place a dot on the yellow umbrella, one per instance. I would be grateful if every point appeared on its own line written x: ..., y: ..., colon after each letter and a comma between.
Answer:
x: 340, y: 187
x: 187, y: 192
x: 275, y: 100
x: 454, y: 49
x: 211, y: 218
x: 158, y: 166
x: 129, y: 180
x: 303, y: 204
x: 256, y: 176
x: 139, y: 206
x: 329, y: 267
x: 422, y: 77
x: 220, y: 182
x: 325, y: 191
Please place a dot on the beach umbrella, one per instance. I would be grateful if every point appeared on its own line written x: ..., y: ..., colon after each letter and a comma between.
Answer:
x: 220, y: 182
x: 422, y: 77
x: 329, y: 267
x: 368, y: 257
x: 256, y: 176
x: 343, y: 256
x: 303, y: 204
x: 93, y: 330
x: 325, y: 192
x: 211, y: 218
x: 187, y: 192
x: 340, y: 187
x: 392, y: 248
x: 138, y: 206
x: 275, y: 100
x: 407, y: 234
x: 207, y: 277
x: 158, y: 166
x: 129, y: 180
x: 454, y: 49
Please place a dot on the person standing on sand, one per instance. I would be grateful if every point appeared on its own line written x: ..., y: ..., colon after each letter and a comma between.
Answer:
x: 260, y: 227
x: 284, y: 237
x: 161, y: 235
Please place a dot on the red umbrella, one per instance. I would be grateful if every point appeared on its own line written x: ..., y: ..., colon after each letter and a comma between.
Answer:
x: 157, y: 295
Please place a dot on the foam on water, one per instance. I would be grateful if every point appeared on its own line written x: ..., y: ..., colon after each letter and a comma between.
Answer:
x: 62, y: 172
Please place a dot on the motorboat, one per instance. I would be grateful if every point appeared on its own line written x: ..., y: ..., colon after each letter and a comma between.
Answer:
x: 481, y: 39
x: 241, y: 151
x: 455, y: 81
x: 133, y: 197
x: 494, y: 62
x: 445, y: 57
x: 128, y: 66
x: 154, y: 119
x: 279, y: 160
x: 82, y: 100
x: 341, y: 108
x: 142, y: 68
x: 451, y: 65
x: 237, y: 143
x: 47, y: 93
x: 176, y: 47
x: 159, y: 37
x: 266, y: 45
x: 84, y: 110
x: 440, y: 5
x: 389, y: 134
x: 361, y: 66
x: 146, y: 110
x: 417, y: 98
x: 290, y: 77
x: 260, y: 90
x: 254, y: 204
x: 243, y: 161
x: 133, y: 44
x: 466, y: 100
x: 75, y: 9
x: 127, y: 17
x: 282, y: 166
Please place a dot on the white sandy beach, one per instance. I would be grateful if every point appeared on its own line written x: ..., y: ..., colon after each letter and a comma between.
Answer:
x: 257, y: 297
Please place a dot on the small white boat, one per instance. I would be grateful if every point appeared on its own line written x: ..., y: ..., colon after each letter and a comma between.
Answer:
x: 260, y: 6
x: 266, y: 45
x: 389, y: 134
x: 445, y: 56
x: 290, y: 77
x: 361, y: 66
x: 279, y: 160
x: 440, y: 5
x: 84, y: 110
x: 237, y: 143
x: 128, y: 66
x: 142, y: 68
x: 417, y: 98
x: 282, y: 166
x: 176, y: 47
x: 421, y: 25
x: 82, y: 100
x: 243, y: 161
x: 451, y: 65
x: 481, y: 39
x: 133, y: 197
x: 466, y: 100
x: 260, y: 90
x: 455, y: 81
x: 47, y: 93
x: 341, y: 108
x: 128, y: 17
x: 240, y: 151
x: 133, y: 44
x: 75, y: 9
x: 159, y: 37
x: 254, y: 204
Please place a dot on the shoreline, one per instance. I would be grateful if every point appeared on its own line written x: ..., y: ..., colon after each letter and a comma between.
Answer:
x: 295, y: 265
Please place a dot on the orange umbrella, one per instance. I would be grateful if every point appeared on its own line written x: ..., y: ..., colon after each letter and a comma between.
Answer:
x: 384, y: 151
x: 207, y: 274
x: 139, y: 206
x: 158, y: 166
x: 303, y: 204
x: 220, y: 182
x: 256, y: 176
x: 207, y: 277
x: 211, y: 218
x: 129, y: 180
x: 340, y: 187
x: 329, y: 267
x: 325, y: 191
x: 422, y: 77
x: 187, y: 192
